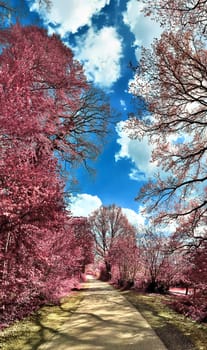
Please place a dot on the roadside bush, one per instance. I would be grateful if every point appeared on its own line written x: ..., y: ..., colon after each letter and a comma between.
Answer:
x: 194, y: 307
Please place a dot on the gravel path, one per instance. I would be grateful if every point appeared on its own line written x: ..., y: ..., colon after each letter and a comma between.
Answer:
x: 105, y: 320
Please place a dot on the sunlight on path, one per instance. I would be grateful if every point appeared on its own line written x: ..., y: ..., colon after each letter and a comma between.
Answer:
x: 106, y: 321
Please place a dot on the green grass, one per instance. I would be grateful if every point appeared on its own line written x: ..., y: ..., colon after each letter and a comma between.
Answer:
x: 176, y: 331
x: 33, y: 331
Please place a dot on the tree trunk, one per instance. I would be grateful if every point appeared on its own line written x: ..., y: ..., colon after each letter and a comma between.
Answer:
x: 108, y: 270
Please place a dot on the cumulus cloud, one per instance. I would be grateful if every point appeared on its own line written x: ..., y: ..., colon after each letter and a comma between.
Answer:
x: 139, y: 152
x: 70, y: 15
x: 100, y: 52
x: 143, y: 28
x: 84, y: 204
x: 135, y: 219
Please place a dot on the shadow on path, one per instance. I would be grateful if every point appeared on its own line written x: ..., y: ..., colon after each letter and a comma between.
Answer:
x: 105, y: 320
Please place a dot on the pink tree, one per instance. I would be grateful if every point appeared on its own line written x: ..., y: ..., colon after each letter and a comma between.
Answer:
x: 190, y: 273
x: 45, y: 111
x: 53, y: 90
x: 124, y: 257
x: 83, y: 240
x: 174, y: 14
x: 108, y: 223
x: 155, y: 259
x: 172, y: 80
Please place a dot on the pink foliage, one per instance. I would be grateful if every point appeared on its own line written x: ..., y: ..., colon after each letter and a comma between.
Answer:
x: 125, y: 259
x: 194, y: 306
x: 41, y: 253
x: 108, y: 223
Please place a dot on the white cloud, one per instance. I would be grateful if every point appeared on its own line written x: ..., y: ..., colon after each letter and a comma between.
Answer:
x: 70, y: 15
x: 143, y: 28
x: 84, y: 204
x: 123, y: 104
x: 100, y: 52
x: 139, y: 152
x: 135, y: 219
x: 137, y: 175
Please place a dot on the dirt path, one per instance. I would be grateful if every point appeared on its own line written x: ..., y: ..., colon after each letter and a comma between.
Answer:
x: 104, y: 321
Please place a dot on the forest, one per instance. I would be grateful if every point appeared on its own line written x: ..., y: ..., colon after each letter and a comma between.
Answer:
x: 50, y: 114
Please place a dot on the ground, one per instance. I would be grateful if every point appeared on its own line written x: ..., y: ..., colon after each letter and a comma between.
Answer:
x: 100, y: 317
x: 104, y: 320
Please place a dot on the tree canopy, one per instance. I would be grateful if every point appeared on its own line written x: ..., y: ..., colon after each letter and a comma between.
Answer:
x: 172, y: 78
x: 48, y: 111
x: 108, y: 224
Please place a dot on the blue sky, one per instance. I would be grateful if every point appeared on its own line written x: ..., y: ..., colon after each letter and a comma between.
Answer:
x: 105, y: 35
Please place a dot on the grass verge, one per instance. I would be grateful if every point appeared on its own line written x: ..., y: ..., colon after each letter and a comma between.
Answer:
x: 175, y: 330
x: 33, y: 331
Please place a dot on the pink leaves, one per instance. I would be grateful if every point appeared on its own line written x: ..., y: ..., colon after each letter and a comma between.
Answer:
x: 172, y: 80
x: 40, y: 247
x: 37, y: 82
